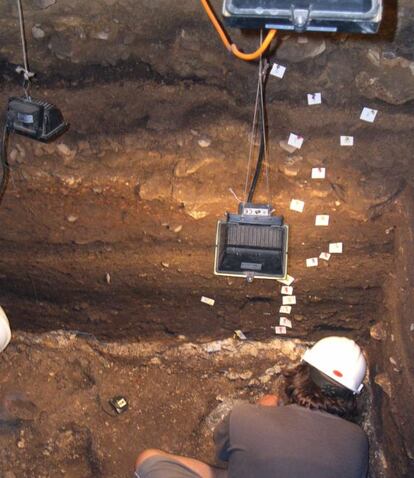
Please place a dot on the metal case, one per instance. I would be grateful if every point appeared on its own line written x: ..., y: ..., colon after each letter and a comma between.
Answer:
x: 353, y: 16
x: 36, y: 119
x: 251, y: 246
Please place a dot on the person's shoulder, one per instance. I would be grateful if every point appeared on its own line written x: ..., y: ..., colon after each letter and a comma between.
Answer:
x: 246, y: 410
x: 244, y: 407
x: 339, y: 422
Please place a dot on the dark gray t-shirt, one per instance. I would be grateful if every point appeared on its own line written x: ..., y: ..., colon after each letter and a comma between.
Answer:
x: 290, y: 442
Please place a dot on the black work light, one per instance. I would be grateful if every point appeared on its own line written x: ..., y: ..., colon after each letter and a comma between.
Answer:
x: 252, y: 244
x: 353, y: 16
x: 36, y: 119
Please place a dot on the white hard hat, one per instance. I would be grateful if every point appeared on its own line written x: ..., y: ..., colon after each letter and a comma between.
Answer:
x: 339, y: 358
x: 5, y: 332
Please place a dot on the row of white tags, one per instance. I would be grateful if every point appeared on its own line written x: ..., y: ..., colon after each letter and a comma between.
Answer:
x: 298, y: 206
x: 334, y: 248
x: 367, y: 114
x: 296, y: 141
x: 287, y: 300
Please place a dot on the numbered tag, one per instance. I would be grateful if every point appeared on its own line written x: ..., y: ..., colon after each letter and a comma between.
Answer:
x: 335, y: 247
x: 312, y: 262
x: 289, y: 300
x: 284, y: 321
x: 347, y: 140
x: 207, y: 300
x: 314, y: 98
x: 278, y: 70
x: 279, y: 330
x: 240, y: 335
x: 322, y: 220
x: 368, y: 115
x: 295, y: 140
x: 287, y: 290
x: 325, y: 256
x: 318, y: 173
x: 285, y: 309
x: 296, y: 205
x: 289, y: 280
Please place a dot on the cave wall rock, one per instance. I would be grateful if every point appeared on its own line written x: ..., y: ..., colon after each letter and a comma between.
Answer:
x: 164, y: 40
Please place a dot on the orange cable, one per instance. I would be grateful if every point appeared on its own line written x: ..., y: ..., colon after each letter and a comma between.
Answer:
x: 231, y: 46
x: 252, y: 56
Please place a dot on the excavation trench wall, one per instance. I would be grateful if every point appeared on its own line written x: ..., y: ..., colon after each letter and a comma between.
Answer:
x: 108, y: 233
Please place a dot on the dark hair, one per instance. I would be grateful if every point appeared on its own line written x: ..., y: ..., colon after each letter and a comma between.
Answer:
x: 301, y: 389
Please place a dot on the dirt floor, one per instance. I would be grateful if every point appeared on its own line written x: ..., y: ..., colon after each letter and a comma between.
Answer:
x: 59, y: 423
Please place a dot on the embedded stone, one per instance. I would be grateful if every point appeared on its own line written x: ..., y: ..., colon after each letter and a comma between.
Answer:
x: 383, y: 381
x: 296, y: 51
x: 37, y: 32
x: 378, y: 332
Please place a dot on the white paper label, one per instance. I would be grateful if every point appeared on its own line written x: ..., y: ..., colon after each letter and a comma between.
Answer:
x: 325, y: 256
x: 314, y: 99
x: 278, y: 70
x: 289, y: 300
x: 289, y: 280
x: 312, y: 262
x: 318, y: 173
x: 255, y: 211
x: 280, y: 330
x: 207, y: 300
x: 295, y: 140
x: 347, y: 140
x: 368, y: 115
x: 287, y: 290
x: 285, y: 309
x: 251, y: 266
x: 322, y: 220
x: 335, y: 247
x: 285, y: 322
x: 240, y: 335
x: 297, y: 205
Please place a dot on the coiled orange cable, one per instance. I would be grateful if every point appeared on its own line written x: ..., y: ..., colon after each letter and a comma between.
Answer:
x: 231, y: 46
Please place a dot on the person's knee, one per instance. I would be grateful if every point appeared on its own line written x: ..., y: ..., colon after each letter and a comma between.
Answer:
x: 149, y: 453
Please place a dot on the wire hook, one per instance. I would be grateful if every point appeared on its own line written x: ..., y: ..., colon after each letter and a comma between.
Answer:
x: 27, y: 74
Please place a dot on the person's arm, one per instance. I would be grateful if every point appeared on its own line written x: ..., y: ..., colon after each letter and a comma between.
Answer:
x: 222, y: 439
x: 203, y: 470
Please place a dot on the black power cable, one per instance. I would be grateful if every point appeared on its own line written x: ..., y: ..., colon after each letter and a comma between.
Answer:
x: 4, y: 162
x: 262, y: 127
x: 258, y: 166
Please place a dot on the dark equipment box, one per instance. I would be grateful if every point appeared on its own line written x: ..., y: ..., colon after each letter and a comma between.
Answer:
x: 353, y: 16
x: 252, y: 246
x: 36, y: 119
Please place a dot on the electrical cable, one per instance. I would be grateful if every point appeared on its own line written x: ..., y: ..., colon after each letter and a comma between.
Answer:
x: 261, y: 123
x: 232, y: 47
x: 4, y: 162
x: 263, y: 76
x: 25, y: 69
x: 259, y: 163
x: 253, y: 134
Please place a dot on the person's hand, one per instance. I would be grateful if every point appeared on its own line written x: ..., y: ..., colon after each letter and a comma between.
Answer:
x: 269, y: 401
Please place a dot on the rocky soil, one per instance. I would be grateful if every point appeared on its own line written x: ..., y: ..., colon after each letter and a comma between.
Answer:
x: 61, y: 423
